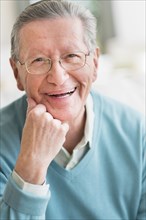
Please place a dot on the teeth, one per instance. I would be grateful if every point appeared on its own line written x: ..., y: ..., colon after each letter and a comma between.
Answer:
x: 63, y: 94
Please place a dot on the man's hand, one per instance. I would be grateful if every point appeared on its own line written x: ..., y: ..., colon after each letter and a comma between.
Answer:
x: 42, y: 139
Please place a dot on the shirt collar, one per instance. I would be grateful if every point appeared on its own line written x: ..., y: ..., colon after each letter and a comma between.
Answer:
x: 69, y: 161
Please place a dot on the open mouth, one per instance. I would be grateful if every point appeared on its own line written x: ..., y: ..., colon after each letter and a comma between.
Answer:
x: 62, y: 95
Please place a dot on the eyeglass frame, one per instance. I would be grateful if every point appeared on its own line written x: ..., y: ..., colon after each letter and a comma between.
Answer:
x: 59, y: 60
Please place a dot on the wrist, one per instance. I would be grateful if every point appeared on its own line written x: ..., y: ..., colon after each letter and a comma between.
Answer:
x: 30, y: 171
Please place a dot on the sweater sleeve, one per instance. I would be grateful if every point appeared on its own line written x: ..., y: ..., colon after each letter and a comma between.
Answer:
x: 30, y: 188
x: 18, y: 204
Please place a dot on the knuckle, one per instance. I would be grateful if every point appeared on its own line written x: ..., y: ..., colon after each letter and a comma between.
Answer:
x: 48, y: 116
x: 56, y: 123
x: 65, y: 127
x: 37, y: 111
x: 32, y: 115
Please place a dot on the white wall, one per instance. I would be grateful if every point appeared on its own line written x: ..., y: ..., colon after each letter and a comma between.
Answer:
x: 8, y: 15
x: 8, y: 88
x: 129, y: 18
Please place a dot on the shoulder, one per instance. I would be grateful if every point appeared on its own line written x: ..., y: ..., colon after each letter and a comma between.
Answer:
x: 12, y: 118
x: 14, y: 111
x: 114, y: 108
x: 117, y: 119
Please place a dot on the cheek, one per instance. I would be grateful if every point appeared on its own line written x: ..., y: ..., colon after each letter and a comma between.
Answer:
x: 32, y: 85
x: 85, y: 76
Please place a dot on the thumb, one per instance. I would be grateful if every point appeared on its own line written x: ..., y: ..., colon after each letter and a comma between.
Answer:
x: 31, y: 104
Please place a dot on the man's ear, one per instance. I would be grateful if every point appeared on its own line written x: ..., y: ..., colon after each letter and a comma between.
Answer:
x: 95, y: 60
x: 16, y: 74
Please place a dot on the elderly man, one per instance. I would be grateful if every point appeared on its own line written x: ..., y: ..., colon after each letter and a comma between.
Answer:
x: 67, y: 152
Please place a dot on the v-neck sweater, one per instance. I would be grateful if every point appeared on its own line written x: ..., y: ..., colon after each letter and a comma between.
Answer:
x: 107, y: 184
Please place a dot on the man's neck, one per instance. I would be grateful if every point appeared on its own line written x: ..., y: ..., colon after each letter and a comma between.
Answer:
x: 75, y: 133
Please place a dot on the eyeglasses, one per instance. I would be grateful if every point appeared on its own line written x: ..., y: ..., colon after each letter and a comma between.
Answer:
x: 42, y: 65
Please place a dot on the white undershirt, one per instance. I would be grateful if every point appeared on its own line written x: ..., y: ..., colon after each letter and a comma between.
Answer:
x: 63, y: 158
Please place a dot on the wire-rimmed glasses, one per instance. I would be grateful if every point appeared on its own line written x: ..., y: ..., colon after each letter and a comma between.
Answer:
x: 42, y: 65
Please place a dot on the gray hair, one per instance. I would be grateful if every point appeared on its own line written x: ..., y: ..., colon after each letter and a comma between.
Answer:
x: 52, y: 9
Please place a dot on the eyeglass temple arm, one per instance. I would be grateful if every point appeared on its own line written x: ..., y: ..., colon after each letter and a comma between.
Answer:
x: 20, y: 62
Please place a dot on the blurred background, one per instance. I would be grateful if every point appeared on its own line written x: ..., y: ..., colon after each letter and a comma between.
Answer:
x: 120, y: 36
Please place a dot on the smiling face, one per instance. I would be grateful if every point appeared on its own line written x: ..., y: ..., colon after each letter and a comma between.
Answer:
x: 62, y: 92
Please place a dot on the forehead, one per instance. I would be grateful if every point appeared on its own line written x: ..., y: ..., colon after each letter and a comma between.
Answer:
x: 56, y: 34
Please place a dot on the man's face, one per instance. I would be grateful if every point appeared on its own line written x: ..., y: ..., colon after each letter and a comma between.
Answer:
x: 62, y: 92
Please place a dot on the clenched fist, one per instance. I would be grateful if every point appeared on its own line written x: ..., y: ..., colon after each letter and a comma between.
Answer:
x: 42, y: 139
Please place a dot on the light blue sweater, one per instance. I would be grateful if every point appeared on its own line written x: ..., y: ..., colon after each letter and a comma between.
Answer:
x: 108, y: 184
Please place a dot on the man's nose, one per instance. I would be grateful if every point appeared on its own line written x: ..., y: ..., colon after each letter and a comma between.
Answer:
x: 57, y: 74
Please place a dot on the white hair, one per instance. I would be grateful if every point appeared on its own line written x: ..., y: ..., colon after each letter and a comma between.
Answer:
x: 52, y: 9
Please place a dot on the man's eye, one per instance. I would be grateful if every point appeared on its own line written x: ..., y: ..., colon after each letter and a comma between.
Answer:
x: 40, y: 59
x: 72, y: 55
x: 72, y: 58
